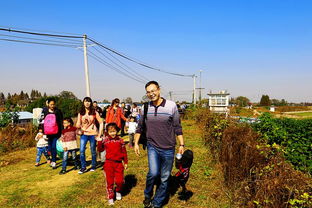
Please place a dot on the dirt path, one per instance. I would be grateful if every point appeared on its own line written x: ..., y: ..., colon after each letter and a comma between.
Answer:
x: 24, y: 185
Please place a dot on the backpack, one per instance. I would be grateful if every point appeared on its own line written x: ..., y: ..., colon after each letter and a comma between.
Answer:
x: 143, y: 139
x: 50, y: 126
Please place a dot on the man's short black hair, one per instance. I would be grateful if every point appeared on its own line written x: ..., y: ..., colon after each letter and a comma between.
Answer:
x: 152, y: 82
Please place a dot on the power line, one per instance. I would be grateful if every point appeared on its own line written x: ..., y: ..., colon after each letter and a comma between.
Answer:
x: 109, y: 53
x: 32, y: 42
x: 99, y: 44
x: 55, y: 41
x: 42, y: 34
x: 99, y: 59
x: 130, y: 72
x: 45, y: 31
x: 137, y: 62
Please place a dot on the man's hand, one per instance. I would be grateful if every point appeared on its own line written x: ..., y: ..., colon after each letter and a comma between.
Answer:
x: 181, y: 149
x: 137, y: 149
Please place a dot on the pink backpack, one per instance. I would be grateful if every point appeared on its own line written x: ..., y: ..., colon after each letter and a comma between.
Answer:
x: 50, y: 125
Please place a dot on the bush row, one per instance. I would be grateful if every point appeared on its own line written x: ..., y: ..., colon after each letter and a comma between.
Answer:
x: 16, y: 138
x: 256, y: 172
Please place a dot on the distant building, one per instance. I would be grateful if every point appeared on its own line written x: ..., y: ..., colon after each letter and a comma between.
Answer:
x: 219, y: 102
x: 24, y: 117
x: 37, y: 115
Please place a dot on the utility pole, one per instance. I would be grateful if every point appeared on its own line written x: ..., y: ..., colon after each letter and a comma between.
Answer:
x: 170, y: 95
x: 200, y: 86
x: 86, y: 65
x: 194, y: 89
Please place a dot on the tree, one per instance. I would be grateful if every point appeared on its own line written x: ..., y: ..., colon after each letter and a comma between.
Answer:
x: 22, y: 95
x: 265, y: 100
x: 32, y: 94
x: 67, y: 94
x: 128, y: 100
x: 2, y: 98
x: 242, y: 101
x: 26, y: 96
x: 105, y: 101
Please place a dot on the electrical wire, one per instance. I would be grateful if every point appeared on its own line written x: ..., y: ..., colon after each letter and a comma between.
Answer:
x: 42, y: 34
x: 99, y: 44
x: 99, y: 59
x: 109, y: 53
x: 137, y: 62
x: 55, y: 41
x: 130, y: 72
x: 45, y: 31
x: 32, y: 42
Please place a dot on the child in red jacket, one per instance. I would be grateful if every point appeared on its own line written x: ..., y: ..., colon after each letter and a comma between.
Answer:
x: 116, y: 161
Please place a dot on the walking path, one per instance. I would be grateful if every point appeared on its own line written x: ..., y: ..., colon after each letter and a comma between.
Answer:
x: 22, y: 184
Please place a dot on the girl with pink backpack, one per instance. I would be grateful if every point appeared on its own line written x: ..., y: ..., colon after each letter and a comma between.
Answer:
x: 53, y: 119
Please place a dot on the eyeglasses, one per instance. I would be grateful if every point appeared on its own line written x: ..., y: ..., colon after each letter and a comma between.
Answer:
x: 151, y: 92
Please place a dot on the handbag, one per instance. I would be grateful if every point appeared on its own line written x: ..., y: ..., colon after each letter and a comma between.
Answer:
x: 143, y: 138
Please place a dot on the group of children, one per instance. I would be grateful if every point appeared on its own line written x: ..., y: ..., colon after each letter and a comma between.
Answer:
x: 115, y: 160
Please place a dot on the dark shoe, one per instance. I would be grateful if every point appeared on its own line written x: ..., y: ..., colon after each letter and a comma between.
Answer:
x: 76, y: 167
x: 82, y: 170
x: 147, y: 202
x: 62, y: 172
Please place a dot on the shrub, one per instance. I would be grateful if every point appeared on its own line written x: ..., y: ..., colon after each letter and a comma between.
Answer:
x: 16, y: 138
x: 254, y: 170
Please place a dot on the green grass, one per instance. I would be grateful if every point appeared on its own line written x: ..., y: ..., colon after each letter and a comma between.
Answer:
x: 23, y: 185
x: 303, y: 114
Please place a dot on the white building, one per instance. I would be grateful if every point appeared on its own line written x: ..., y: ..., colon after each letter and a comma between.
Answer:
x: 219, y: 102
x: 24, y: 117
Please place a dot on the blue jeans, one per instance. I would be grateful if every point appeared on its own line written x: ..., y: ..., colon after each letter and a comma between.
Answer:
x: 40, y: 151
x: 52, y: 147
x: 83, y: 142
x: 160, y: 162
x: 65, y: 157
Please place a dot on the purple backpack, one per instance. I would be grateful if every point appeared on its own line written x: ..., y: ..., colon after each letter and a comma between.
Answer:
x: 50, y: 125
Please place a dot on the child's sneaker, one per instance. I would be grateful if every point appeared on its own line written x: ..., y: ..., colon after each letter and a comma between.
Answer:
x: 53, y: 165
x: 82, y: 170
x: 111, y: 202
x: 92, y: 169
x: 62, y: 172
x: 118, y: 196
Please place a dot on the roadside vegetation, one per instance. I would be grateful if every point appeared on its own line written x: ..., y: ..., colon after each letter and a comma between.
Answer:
x: 256, y: 159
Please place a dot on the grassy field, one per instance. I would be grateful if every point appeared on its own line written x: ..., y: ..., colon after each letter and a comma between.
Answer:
x: 303, y: 114
x: 24, y: 185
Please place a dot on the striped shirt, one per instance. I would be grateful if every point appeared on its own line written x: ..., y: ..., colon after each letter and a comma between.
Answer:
x: 162, y: 124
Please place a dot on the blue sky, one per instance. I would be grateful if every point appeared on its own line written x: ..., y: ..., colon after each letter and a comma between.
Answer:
x: 249, y: 48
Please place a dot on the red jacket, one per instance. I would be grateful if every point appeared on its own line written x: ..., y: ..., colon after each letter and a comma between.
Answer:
x: 115, y: 116
x: 115, y: 149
